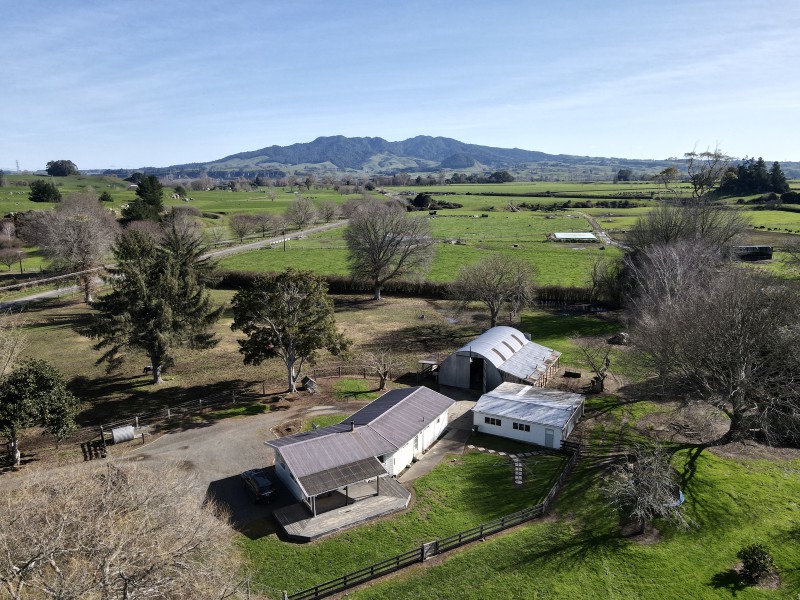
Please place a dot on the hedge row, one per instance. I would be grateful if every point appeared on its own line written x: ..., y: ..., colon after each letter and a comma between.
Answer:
x: 337, y: 284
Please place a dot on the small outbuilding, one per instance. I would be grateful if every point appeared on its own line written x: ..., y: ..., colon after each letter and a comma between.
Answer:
x: 573, y: 237
x: 522, y: 412
x: 497, y: 355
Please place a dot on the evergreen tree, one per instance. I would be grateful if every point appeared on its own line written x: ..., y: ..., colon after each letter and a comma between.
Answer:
x: 289, y: 316
x: 34, y: 394
x: 777, y: 180
x: 149, y: 201
x: 159, y: 299
x: 44, y: 191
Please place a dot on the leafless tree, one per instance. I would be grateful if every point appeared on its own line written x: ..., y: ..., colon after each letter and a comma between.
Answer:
x: 186, y: 220
x: 9, y: 256
x: 116, y: 532
x: 77, y: 236
x: 7, y: 230
x: 597, y: 355
x: 705, y: 171
x: 496, y: 281
x: 271, y: 193
x: 328, y: 210
x: 727, y: 337
x: 383, y: 362
x: 268, y: 224
x: 215, y: 235
x: 644, y: 487
x: 301, y: 213
x: 386, y: 243
x: 242, y: 225
x: 668, y: 223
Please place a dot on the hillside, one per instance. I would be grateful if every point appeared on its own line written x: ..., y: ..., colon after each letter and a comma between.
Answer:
x: 420, y: 154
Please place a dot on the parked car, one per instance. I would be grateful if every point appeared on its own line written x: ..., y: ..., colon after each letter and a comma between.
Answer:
x: 258, y: 484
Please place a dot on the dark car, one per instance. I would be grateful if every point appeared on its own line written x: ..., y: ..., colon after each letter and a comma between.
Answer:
x: 258, y: 484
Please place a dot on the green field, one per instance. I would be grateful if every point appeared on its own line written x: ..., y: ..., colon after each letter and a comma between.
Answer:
x: 460, y: 241
x: 455, y: 496
x: 581, y: 554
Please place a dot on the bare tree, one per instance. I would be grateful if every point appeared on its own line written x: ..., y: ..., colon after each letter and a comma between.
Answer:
x: 383, y: 362
x: 301, y: 213
x: 243, y: 225
x: 271, y: 193
x: 705, y: 171
x: 496, y: 281
x: 328, y: 210
x: 668, y: 223
x: 9, y: 256
x: 729, y: 338
x: 77, y: 236
x: 215, y: 235
x: 385, y: 243
x: 645, y: 487
x: 596, y: 354
x: 116, y: 532
x: 268, y: 224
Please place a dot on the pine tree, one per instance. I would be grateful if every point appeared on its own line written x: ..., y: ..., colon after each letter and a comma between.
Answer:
x: 777, y: 180
x: 159, y: 300
x: 149, y: 201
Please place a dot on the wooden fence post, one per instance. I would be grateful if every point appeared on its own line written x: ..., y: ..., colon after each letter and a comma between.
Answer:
x: 233, y: 396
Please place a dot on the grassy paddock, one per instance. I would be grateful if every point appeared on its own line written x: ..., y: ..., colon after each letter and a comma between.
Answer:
x: 582, y: 554
x: 460, y: 493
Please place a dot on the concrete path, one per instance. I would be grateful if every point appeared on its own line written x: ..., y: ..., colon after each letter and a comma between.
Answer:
x: 452, y: 442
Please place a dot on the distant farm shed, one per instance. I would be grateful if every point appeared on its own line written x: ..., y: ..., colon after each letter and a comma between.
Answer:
x: 573, y: 237
x: 522, y: 412
x: 497, y: 355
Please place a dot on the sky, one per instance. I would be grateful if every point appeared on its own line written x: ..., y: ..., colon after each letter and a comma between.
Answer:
x: 145, y: 83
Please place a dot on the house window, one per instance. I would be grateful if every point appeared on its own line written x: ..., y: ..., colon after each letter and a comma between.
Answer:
x: 492, y: 421
x: 521, y: 427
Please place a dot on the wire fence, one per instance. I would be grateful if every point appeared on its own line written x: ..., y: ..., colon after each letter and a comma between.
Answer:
x: 437, y: 547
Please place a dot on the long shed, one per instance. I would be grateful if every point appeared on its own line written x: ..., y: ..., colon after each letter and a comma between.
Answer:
x: 497, y: 355
x: 383, y: 438
x: 529, y: 414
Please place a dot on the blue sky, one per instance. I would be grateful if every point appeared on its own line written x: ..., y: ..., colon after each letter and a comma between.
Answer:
x: 144, y: 83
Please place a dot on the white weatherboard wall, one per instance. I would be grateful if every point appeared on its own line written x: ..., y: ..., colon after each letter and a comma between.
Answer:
x: 537, y: 434
x: 396, y: 462
x: 285, y: 476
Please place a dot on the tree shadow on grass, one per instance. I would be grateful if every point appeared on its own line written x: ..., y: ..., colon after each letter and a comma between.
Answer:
x: 549, y: 325
x: 427, y: 338
x: 116, y: 397
x: 728, y: 580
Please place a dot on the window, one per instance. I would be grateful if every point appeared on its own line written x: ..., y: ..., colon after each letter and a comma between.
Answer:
x: 382, y: 458
x: 521, y: 427
x: 492, y: 421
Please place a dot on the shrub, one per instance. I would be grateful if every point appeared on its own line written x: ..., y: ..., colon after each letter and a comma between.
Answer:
x: 756, y: 561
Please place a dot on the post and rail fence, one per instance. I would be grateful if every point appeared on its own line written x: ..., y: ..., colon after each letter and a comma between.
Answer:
x: 440, y: 546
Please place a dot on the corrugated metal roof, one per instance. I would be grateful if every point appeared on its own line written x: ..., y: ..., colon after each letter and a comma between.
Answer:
x: 496, y: 345
x: 530, y: 362
x: 381, y: 427
x: 575, y: 235
x: 552, y: 408
x: 336, y: 477
x: 511, y: 352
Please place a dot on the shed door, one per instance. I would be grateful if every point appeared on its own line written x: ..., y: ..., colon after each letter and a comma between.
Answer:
x: 548, y: 437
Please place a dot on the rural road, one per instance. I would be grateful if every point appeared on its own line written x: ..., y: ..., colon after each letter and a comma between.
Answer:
x: 72, y: 289
x: 601, y: 233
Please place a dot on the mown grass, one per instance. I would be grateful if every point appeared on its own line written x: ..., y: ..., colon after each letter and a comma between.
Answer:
x: 322, y: 421
x: 456, y: 495
x: 581, y: 554
x: 355, y: 389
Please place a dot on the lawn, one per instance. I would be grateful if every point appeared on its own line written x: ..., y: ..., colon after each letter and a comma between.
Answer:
x: 460, y: 493
x: 731, y: 502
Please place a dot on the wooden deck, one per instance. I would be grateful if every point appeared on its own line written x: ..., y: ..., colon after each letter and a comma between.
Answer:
x: 299, y: 525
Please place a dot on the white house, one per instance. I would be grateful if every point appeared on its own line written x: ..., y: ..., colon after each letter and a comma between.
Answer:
x: 529, y: 414
x: 497, y: 355
x: 383, y: 438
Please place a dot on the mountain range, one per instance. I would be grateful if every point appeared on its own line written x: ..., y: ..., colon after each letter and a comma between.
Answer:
x: 418, y: 155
